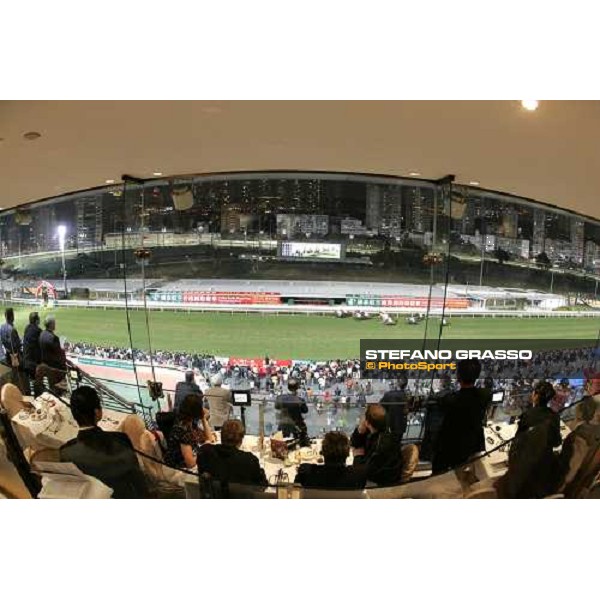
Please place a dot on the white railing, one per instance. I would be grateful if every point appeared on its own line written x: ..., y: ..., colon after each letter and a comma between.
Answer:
x: 304, y: 308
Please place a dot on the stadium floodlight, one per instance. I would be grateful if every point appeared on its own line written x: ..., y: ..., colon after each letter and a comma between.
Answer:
x: 62, y: 232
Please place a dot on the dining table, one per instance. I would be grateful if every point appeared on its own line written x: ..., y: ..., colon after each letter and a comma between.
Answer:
x: 47, y: 422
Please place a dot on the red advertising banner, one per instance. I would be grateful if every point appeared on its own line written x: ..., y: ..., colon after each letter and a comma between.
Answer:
x: 198, y: 297
x: 257, y: 362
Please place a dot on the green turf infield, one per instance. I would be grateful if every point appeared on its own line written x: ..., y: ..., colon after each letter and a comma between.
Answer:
x: 286, y: 336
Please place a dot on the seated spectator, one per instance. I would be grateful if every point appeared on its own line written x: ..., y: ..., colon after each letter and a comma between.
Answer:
x: 579, y: 450
x: 463, y: 413
x: 376, y: 449
x: 227, y: 462
x: 52, y: 354
x: 532, y: 466
x: 219, y: 402
x: 186, y: 435
x: 185, y: 388
x: 107, y: 456
x: 334, y: 474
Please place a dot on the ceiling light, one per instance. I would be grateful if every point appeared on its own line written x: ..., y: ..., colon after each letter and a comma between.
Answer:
x: 32, y: 135
x: 157, y: 174
x: 529, y: 104
x: 473, y: 182
x: 109, y: 181
x: 414, y: 174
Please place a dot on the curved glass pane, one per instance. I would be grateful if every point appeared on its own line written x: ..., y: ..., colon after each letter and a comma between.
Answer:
x: 266, y: 277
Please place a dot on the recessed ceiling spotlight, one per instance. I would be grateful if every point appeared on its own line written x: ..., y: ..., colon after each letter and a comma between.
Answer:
x: 473, y: 182
x: 414, y: 174
x: 32, y: 135
x: 157, y: 174
x: 529, y: 104
x: 109, y: 181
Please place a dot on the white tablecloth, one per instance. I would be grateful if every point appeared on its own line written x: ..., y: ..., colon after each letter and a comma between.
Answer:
x: 289, y: 468
x: 54, y: 425
x: 50, y: 428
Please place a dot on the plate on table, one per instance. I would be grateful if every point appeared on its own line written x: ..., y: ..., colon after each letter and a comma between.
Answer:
x: 307, y: 454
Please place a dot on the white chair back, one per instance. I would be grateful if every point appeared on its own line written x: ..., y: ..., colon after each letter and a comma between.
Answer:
x: 12, y: 399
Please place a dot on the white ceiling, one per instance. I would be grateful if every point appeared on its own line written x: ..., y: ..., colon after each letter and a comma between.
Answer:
x: 549, y: 155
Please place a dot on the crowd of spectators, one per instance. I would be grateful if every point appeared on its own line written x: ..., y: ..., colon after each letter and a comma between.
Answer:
x: 457, y: 414
x: 339, y: 379
x: 535, y: 467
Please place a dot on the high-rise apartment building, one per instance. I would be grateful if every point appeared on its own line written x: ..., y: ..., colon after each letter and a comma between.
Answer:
x: 539, y: 232
x: 374, y: 206
x: 591, y: 258
x: 89, y: 222
x: 292, y: 225
x: 577, y: 240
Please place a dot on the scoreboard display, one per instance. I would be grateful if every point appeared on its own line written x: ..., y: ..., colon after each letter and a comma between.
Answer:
x: 311, y: 251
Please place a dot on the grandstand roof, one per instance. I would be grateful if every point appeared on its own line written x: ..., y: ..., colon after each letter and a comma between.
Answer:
x: 287, y: 288
x: 303, y: 288
x: 492, y: 292
x: 102, y: 285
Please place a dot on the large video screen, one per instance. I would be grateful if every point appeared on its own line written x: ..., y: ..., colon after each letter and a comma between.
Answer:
x: 310, y: 250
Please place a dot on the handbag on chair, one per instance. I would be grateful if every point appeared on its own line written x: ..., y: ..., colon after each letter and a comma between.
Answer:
x: 14, y: 357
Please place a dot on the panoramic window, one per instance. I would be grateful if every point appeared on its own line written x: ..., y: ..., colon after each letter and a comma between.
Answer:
x: 260, y: 287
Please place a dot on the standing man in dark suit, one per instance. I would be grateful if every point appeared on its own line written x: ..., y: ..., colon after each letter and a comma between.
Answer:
x: 13, y: 351
x: 185, y: 388
x: 51, y: 352
x: 461, y: 432
x: 434, y: 417
x: 10, y: 339
x: 291, y: 407
x: 107, y: 456
x: 32, y: 353
x: 396, y: 408
x: 226, y: 462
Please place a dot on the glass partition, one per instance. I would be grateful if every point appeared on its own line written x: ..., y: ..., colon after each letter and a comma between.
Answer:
x: 262, y: 278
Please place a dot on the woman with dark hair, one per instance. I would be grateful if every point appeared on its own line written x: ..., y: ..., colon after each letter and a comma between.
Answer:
x: 190, y: 430
x: 532, y: 464
x: 540, y: 412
